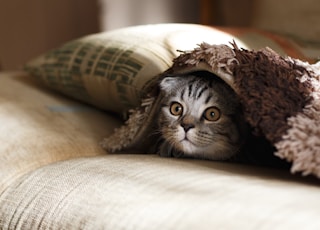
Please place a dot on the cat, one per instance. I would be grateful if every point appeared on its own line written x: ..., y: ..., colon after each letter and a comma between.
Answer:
x: 200, y: 117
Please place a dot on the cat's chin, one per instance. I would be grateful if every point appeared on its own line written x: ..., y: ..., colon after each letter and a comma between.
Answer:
x: 188, y: 147
x: 210, y: 152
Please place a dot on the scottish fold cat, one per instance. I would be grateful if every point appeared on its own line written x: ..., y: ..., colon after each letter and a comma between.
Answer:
x: 200, y: 117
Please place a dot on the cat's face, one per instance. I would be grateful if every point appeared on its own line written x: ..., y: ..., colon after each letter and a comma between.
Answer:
x: 198, y: 118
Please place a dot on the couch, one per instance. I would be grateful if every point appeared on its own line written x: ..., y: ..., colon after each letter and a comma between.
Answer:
x: 55, y: 175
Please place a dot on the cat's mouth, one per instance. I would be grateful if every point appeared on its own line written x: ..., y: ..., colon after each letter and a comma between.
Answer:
x: 192, y: 142
x: 186, y: 139
x: 188, y: 147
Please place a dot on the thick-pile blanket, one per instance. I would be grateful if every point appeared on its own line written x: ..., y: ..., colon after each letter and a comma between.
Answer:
x: 279, y: 96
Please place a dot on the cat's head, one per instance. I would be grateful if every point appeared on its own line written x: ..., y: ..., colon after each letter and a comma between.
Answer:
x: 200, y: 117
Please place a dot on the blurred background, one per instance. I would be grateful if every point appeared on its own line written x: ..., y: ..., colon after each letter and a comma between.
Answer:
x: 29, y: 28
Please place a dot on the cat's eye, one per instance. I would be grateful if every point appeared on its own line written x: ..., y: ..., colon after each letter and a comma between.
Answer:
x: 212, y: 114
x: 176, y: 109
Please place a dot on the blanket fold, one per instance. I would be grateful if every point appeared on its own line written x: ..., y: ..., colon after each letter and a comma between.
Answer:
x: 279, y: 96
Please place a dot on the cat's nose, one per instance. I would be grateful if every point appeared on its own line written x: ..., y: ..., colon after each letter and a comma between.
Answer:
x: 187, y: 126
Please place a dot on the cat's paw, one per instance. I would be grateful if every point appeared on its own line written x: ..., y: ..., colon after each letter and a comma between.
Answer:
x: 165, y: 150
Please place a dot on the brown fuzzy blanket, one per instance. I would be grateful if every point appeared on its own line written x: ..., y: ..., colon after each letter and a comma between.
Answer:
x: 279, y: 96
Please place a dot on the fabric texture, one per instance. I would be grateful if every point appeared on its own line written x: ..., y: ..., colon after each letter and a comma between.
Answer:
x: 148, y: 192
x: 39, y: 127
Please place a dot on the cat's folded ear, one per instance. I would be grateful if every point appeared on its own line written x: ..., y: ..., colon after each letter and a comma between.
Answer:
x: 168, y: 84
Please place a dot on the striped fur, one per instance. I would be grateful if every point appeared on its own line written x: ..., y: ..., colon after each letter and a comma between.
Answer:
x: 188, y: 101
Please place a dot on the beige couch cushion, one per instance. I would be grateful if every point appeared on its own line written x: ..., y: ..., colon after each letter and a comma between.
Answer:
x: 54, y: 175
x: 149, y: 192
x: 39, y: 127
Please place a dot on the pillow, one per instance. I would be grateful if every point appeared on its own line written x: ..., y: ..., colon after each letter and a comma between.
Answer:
x: 109, y: 69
